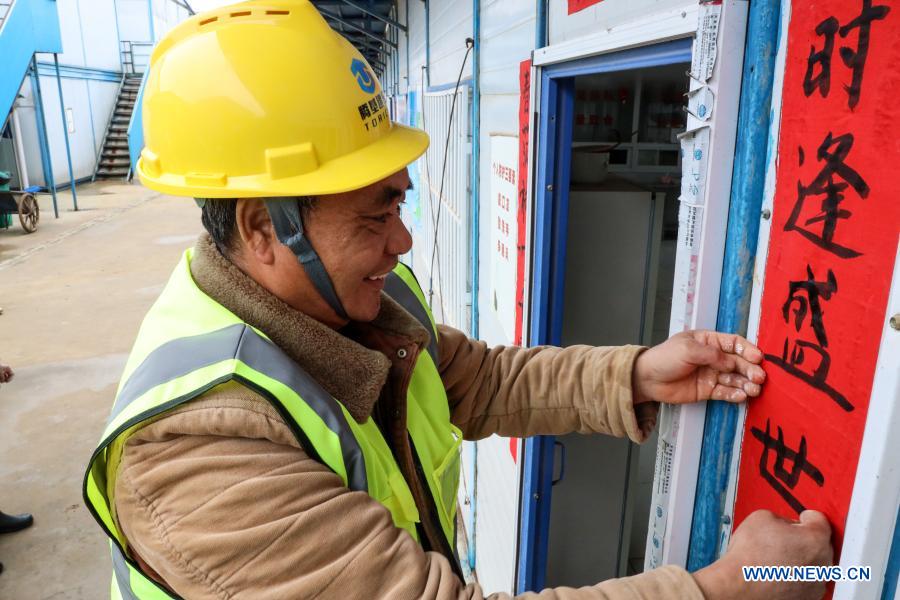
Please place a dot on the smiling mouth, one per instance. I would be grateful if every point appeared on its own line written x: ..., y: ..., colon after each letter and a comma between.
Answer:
x: 380, y: 277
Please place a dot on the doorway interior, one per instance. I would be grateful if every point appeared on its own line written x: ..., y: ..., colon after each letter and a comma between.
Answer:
x: 608, y: 175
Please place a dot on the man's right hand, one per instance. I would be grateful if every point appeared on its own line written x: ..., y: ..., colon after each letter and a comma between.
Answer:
x: 6, y: 374
x: 764, y: 539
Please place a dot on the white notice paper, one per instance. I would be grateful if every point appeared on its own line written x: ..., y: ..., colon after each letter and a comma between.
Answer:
x: 704, y: 59
x: 504, y: 231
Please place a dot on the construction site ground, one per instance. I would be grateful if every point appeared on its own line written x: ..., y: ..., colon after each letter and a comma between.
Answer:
x: 73, y: 295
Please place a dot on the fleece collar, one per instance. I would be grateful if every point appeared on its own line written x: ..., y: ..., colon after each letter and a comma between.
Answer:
x: 354, y: 374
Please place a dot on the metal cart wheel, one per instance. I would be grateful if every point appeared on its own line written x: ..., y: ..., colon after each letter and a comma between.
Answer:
x: 29, y: 213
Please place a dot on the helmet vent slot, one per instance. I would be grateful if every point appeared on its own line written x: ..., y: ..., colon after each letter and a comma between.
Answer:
x: 208, y: 21
x: 278, y: 12
x: 242, y: 13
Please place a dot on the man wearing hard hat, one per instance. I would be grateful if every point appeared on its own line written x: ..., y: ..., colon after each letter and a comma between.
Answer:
x: 288, y: 423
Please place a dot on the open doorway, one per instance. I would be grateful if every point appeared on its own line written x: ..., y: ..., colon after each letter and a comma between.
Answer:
x: 606, y: 221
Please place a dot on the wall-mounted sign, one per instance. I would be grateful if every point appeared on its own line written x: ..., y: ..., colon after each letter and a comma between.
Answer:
x: 504, y: 230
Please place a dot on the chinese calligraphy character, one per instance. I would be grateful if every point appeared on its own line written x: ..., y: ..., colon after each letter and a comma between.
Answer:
x: 781, y: 479
x: 833, y: 152
x: 364, y: 112
x: 810, y: 304
x: 806, y: 295
x: 855, y: 60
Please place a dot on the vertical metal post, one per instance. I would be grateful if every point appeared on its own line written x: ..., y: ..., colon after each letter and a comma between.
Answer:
x: 150, y: 22
x: 43, y: 142
x: 408, y: 75
x: 476, y: 159
x: 747, y: 188
x: 540, y: 24
x: 62, y: 110
x: 427, y: 48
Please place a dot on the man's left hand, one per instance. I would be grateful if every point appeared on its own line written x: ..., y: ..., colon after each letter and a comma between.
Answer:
x: 698, y: 365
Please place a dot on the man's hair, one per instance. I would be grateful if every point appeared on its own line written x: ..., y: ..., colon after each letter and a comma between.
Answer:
x: 219, y: 217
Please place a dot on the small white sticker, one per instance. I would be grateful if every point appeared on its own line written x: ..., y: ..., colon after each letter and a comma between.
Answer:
x: 706, y: 48
x: 700, y: 103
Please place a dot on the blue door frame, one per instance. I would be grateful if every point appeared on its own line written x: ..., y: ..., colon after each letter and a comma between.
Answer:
x: 550, y: 226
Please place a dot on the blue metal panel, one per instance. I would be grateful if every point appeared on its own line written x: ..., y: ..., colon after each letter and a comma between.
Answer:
x: 747, y: 186
x: 889, y: 588
x: 548, y: 273
x: 136, y: 126
x: 30, y: 26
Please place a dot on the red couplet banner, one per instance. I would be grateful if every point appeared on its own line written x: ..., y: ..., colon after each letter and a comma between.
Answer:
x: 834, y: 235
x: 576, y: 5
x: 521, y: 207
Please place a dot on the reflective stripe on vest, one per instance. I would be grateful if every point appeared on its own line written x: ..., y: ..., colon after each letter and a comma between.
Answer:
x: 240, y: 342
x: 396, y: 286
x: 166, y: 370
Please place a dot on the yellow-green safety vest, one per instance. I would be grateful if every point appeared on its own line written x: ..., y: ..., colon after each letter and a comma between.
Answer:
x: 189, y: 343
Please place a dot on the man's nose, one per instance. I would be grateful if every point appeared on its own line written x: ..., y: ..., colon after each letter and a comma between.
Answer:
x: 399, y: 239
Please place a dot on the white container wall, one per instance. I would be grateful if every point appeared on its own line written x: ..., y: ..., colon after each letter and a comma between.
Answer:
x: 442, y: 260
x: 507, y: 38
x: 588, y: 22
x: 91, y: 70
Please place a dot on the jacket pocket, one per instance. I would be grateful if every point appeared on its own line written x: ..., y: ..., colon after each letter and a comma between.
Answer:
x: 446, y: 478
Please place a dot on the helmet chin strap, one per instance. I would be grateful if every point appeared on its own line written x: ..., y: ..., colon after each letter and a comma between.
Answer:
x: 285, y: 216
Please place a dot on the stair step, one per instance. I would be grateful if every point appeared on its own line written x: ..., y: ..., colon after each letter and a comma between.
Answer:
x: 112, y: 173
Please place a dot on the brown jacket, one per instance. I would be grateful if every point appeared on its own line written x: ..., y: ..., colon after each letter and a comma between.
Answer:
x: 218, y: 500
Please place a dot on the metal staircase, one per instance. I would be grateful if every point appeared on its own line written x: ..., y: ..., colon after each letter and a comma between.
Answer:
x: 113, y: 161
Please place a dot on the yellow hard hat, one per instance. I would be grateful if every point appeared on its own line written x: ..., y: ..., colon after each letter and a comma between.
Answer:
x: 264, y: 99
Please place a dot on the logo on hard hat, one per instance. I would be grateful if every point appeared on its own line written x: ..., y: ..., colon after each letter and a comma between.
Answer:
x: 364, y: 77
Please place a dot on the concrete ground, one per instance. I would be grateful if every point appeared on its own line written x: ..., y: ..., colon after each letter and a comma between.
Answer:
x: 73, y: 295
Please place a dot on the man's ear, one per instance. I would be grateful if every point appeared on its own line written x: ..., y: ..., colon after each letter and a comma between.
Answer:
x: 255, y: 230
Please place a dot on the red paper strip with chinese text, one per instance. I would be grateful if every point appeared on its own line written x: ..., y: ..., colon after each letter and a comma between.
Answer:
x: 521, y: 207
x: 835, y: 228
